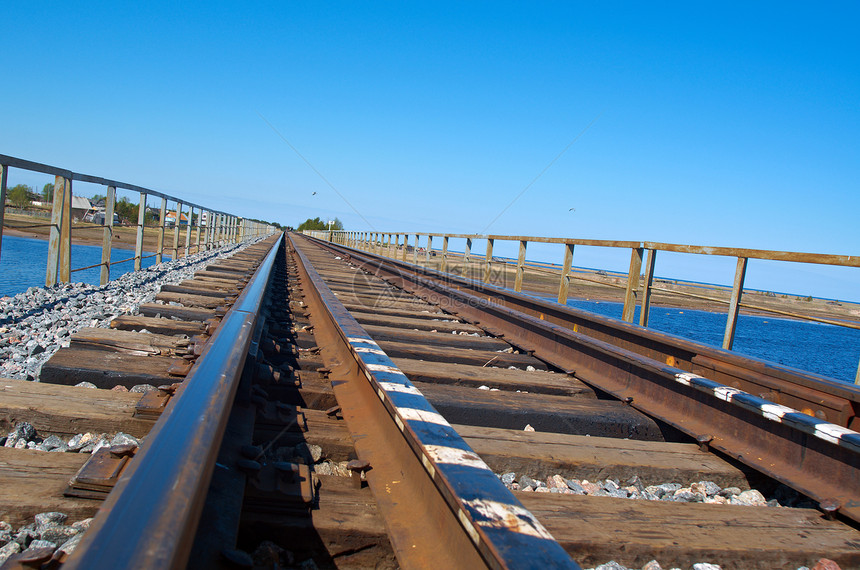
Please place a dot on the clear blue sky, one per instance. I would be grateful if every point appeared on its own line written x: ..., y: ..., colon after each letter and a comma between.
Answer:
x: 712, y: 124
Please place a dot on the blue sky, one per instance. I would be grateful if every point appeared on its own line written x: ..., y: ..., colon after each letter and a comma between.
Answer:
x: 711, y: 124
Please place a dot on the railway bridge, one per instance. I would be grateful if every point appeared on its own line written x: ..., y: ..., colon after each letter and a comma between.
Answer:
x: 324, y: 400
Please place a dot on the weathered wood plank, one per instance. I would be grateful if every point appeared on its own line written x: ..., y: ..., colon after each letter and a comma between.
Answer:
x: 33, y: 482
x: 443, y: 326
x: 595, y: 530
x: 431, y: 313
x: 216, y: 282
x: 226, y: 287
x: 158, y: 325
x: 226, y: 275
x: 536, y: 381
x: 441, y: 339
x: 359, y: 287
x: 386, y: 300
x: 66, y: 410
x: 194, y: 290
x: 70, y: 366
x: 459, y: 355
x: 186, y: 300
x: 182, y: 313
x: 125, y: 341
x: 541, y: 454
x: 559, y: 414
x: 345, y: 527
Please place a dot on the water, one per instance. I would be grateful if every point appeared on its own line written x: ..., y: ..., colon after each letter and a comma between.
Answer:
x: 828, y: 350
x: 23, y: 262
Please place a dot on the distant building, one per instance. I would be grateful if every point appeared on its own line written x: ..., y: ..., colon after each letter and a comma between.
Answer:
x: 170, y: 219
x: 80, y: 207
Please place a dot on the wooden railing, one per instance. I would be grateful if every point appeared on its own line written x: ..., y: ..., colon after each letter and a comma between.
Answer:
x: 220, y: 228
x: 637, y: 287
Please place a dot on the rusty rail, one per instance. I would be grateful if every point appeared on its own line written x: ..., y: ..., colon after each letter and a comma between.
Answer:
x: 158, y: 499
x: 419, y: 466
x: 815, y: 457
x: 640, y: 253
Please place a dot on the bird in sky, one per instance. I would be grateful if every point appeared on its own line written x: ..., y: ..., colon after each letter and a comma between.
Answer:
x: 314, y: 194
x: 572, y: 210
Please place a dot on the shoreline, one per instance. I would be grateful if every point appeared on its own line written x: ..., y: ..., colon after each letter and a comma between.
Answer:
x: 123, y: 237
x: 13, y: 232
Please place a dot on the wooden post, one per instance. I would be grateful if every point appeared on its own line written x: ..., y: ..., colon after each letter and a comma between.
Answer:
x: 138, y: 244
x: 632, y: 285
x: 645, y: 311
x: 177, y: 222
x: 737, y: 293
x: 405, y: 247
x: 60, y: 242
x: 444, y: 254
x: 396, y: 246
x: 429, y: 247
x: 197, y: 233
x: 107, y: 238
x: 4, y: 173
x: 161, y: 227
x: 564, y: 282
x: 488, y: 261
x: 467, y: 254
x: 188, y: 230
x: 210, y: 231
x: 521, y: 267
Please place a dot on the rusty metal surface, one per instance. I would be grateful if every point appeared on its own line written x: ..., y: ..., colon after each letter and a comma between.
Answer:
x: 149, y: 520
x: 815, y: 457
x: 420, y: 467
x: 827, y: 399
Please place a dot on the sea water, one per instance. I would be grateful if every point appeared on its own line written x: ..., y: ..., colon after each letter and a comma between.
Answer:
x: 23, y: 263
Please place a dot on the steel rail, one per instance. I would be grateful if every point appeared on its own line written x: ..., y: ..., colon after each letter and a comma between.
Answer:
x: 826, y: 398
x: 443, y: 506
x: 150, y: 517
x: 817, y: 458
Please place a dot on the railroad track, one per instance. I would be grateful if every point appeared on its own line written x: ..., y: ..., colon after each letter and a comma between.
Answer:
x: 359, y: 412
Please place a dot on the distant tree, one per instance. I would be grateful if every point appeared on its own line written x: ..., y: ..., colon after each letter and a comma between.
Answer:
x: 312, y: 224
x: 126, y: 211
x: 20, y: 195
x: 48, y: 192
x: 318, y: 224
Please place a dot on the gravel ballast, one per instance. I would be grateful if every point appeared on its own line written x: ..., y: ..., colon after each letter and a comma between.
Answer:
x: 40, y: 321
